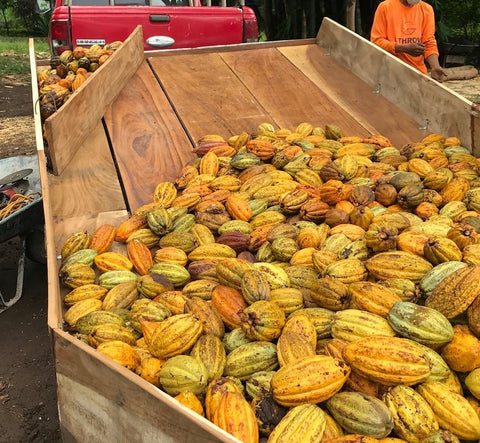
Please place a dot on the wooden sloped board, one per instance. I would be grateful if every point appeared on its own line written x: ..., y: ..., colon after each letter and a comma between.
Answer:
x: 286, y: 93
x: 99, y: 400
x: 373, y: 111
x: 422, y: 98
x: 236, y: 91
x: 89, y: 183
x: 72, y: 124
x: 149, y: 143
x: 207, y: 95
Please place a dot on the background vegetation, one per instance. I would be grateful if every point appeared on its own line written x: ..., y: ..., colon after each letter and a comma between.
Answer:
x: 457, y: 21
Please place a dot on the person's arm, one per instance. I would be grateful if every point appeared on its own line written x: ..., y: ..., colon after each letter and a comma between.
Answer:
x: 378, y: 34
x: 431, y: 49
x: 436, y: 71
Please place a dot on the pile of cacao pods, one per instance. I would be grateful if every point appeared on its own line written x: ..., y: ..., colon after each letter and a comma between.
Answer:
x: 298, y: 286
x: 68, y: 72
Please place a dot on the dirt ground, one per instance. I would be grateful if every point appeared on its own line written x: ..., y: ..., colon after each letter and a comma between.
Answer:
x: 28, y: 403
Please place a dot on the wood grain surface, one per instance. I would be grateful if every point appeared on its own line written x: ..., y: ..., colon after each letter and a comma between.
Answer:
x: 71, y: 125
x: 208, y: 95
x: 370, y: 109
x: 119, y: 405
x: 149, y: 142
x: 286, y: 93
x: 89, y: 184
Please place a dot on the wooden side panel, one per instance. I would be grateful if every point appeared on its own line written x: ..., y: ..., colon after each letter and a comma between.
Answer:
x: 89, y: 184
x: 72, y: 124
x: 476, y: 129
x: 118, y: 405
x: 373, y: 111
x: 149, y: 143
x: 428, y: 102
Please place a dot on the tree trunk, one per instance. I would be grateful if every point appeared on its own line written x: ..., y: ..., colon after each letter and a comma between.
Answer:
x: 351, y: 14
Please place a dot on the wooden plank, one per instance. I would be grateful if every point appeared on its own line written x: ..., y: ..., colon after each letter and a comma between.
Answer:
x: 72, y: 124
x: 117, y: 404
x: 428, y: 102
x: 229, y: 48
x: 286, y: 93
x: 250, y: 88
x: 373, y: 111
x: 476, y: 129
x: 89, y: 184
x: 54, y: 300
x: 224, y: 106
x: 149, y: 142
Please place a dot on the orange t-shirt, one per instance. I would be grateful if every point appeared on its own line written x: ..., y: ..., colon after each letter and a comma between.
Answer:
x: 396, y: 23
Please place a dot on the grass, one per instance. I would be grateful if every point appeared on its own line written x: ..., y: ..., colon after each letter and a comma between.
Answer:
x: 14, y: 58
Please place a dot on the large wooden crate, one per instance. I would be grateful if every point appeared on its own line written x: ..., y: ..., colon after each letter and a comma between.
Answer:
x: 134, y: 124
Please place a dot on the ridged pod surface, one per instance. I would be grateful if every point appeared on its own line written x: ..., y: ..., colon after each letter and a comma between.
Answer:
x: 215, y: 391
x: 388, y: 360
x: 251, y: 357
x: 291, y: 346
x: 420, y: 323
x: 312, y: 379
x: 359, y: 413
x: 398, y: 264
x: 263, y: 320
x: 121, y: 352
x: 452, y: 411
x: 456, y: 292
x: 210, y: 351
x: 373, y: 297
x: 103, y: 238
x: 353, y: 324
x: 84, y: 292
x: 173, y: 336
x: 183, y: 373
x: 112, y: 261
x: 235, y: 415
x: 412, y: 416
x: 302, y: 423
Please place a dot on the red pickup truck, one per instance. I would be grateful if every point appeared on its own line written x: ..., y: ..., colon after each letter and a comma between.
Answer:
x: 165, y: 23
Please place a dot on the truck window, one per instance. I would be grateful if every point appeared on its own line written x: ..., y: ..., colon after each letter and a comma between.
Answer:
x: 130, y: 2
x: 90, y: 2
x: 126, y: 2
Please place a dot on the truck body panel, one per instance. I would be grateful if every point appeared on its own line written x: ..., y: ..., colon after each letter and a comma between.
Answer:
x: 163, y: 26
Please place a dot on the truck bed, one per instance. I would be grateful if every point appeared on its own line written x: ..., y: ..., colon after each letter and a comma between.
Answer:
x: 147, y: 131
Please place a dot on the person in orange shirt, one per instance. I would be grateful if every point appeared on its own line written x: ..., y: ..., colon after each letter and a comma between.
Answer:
x: 406, y: 29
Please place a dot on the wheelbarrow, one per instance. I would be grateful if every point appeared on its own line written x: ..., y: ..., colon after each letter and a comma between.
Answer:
x: 20, y: 176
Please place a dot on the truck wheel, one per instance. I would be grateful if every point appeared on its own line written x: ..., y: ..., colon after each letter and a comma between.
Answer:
x: 35, y: 245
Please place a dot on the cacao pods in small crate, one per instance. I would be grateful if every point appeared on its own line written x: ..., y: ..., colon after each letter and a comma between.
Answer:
x: 298, y: 286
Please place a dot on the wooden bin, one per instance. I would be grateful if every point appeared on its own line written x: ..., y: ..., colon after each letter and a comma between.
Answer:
x: 134, y: 123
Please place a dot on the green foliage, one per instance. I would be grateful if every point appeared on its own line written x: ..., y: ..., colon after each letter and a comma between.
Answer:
x: 457, y: 19
x: 18, y: 17
x: 14, y: 58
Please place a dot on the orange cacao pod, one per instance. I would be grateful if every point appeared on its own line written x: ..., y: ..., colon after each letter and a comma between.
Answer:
x: 140, y: 256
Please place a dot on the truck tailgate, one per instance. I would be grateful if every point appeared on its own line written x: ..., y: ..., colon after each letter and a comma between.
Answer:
x: 172, y: 27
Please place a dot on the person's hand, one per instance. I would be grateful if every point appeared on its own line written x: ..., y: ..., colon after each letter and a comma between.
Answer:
x: 414, y: 49
x: 438, y: 74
